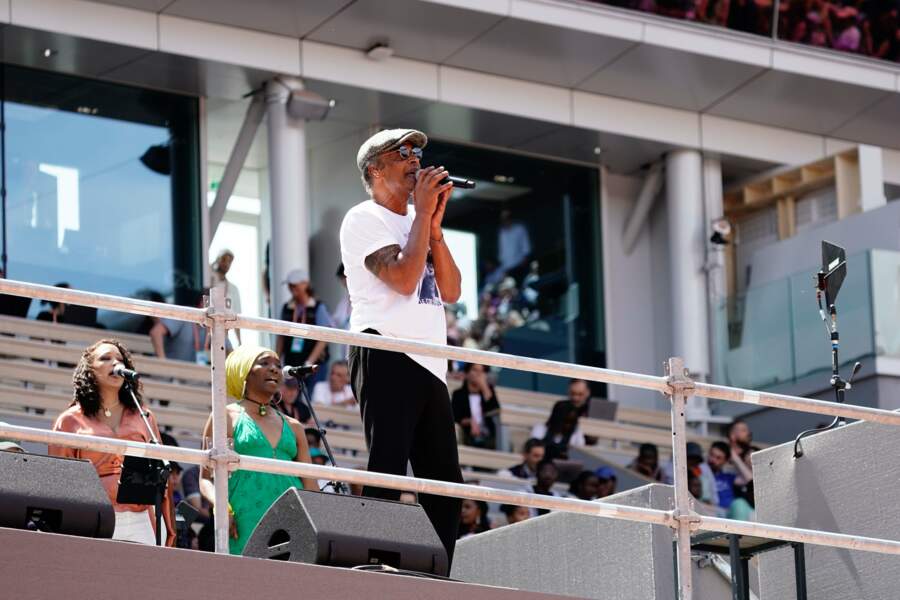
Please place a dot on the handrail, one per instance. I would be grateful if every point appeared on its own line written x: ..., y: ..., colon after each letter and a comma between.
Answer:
x: 460, y: 490
x: 676, y: 385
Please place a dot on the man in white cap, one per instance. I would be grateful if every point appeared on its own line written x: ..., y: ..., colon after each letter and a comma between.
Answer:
x: 399, y: 272
x: 303, y: 307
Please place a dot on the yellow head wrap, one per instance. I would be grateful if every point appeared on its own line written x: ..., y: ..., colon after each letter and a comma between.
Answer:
x: 237, y: 367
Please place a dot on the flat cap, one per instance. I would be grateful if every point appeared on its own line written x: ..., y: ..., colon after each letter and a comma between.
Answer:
x: 386, y: 140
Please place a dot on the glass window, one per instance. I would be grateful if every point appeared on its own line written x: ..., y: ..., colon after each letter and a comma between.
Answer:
x: 527, y: 241
x: 102, y: 186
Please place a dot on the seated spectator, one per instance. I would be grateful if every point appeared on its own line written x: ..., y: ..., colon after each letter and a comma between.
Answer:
x: 476, y: 408
x: 336, y: 391
x: 695, y: 487
x: 698, y: 466
x: 313, y: 438
x: 547, y: 474
x: 607, y: 480
x: 55, y: 311
x: 341, y: 315
x: 318, y: 457
x: 190, y: 489
x: 559, y: 432
x: 586, y: 486
x: 515, y: 514
x: 292, y: 404
x: 717, y: 458
x: 740, y: 439
x: 847, y: 36
x: 181, y: 340
x: 532, y: 456
x: 579, y: 400
x: 647, y: 461
x: 473, y: 518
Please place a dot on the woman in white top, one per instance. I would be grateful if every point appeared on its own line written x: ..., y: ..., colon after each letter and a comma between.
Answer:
x: 336, y: 391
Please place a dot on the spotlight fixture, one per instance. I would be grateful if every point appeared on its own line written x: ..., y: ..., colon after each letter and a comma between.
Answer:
x: 308, y: 105
x: 49, y: 52
x: 380, y: 52
x: 721, y: 232
x: 157, y: 158
x: 598, y: 150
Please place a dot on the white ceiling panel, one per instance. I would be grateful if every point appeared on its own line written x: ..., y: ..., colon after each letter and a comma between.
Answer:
x: 619, y: 153
x: 72, y: 55
x: 190, y: 76
x: 292, y: 18
x: 414, y: 29
x: 363, y: 106
x: 458, y: 123
x: 879, y: 125
x: 149, y: 5
x: 538, y: 52
x: 797, y: 102
x: 669, y: 77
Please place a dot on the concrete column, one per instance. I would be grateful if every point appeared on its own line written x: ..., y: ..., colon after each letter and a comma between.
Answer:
x: 288, y: 188
x: 715, y: 268
x: 687, y: 260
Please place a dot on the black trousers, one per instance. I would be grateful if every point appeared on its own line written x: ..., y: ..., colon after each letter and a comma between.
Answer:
x: 407, y: 417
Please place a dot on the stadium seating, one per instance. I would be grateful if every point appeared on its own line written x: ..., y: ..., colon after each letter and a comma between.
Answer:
x: 36, y: 372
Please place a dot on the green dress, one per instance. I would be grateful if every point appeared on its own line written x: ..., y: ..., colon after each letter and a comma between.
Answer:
x: 251, y: 493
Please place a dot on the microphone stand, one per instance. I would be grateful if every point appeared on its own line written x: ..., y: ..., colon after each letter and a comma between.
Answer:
x: 157, y: 470
x: 837, y: 383
x: 304, y: 391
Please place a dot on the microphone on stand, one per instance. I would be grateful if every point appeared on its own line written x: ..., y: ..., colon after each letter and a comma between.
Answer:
x: 299, y: 372
x: 125, y: 373
x: 458, y: 182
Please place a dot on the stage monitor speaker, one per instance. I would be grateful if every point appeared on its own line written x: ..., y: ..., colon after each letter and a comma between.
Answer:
x: 347, y: 531
x: 59, y: 495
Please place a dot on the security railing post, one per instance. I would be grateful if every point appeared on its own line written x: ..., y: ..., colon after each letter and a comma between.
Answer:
x: 219, y: 451
x: 680, y: 385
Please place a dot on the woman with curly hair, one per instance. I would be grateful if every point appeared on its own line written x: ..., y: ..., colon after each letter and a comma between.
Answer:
x: 102, y: 406
x: 253, y: 376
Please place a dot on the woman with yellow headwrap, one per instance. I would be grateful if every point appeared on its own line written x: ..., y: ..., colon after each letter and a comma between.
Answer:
x: 253, y: 376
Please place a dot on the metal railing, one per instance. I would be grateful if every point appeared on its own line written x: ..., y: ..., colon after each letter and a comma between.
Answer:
x: 676, y: 385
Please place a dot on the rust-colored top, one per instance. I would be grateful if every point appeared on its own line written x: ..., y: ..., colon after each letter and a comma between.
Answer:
x: 109, y: 466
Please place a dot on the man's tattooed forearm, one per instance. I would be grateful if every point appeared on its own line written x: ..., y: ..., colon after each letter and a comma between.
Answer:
x: 378, y: 260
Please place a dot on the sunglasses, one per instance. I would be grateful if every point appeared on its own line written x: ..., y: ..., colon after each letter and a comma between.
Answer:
x: 406, y: 151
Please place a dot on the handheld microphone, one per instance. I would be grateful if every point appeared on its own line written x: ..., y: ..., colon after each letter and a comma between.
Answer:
x: 299, y: 372
x: 125, y: 373
x: 458, y: 182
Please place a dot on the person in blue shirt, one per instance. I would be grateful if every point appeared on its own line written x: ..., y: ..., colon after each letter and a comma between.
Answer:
x: 718, y: 456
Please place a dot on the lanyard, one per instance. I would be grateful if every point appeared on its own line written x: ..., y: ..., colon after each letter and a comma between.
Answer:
x: 302, y: 317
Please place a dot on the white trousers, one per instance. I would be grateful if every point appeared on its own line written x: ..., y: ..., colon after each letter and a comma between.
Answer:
x: 135, y: 527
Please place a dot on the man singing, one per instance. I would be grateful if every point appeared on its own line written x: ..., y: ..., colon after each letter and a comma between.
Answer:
x: 399, y: 271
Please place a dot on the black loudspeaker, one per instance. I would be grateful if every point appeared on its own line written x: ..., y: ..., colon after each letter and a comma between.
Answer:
x: 347, y: 531
x: 59, y: 495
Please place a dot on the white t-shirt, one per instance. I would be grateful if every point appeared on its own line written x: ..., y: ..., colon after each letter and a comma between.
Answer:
x: 576, y: 439
x: 323, y: 395
x: 368, y: 227
x: 475, y: 408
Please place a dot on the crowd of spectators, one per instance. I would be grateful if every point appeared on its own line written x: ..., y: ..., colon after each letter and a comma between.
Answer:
x: 721, y: 478
x: 867, y: 27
